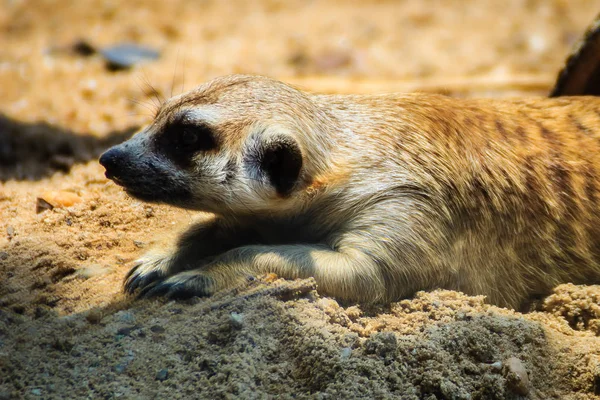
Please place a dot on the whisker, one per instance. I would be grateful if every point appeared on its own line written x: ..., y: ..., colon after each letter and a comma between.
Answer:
x: 153, y: 90
x: 142, y: 81
x: 183, y: 75
x: 174, y: 73
x: 148, y: 107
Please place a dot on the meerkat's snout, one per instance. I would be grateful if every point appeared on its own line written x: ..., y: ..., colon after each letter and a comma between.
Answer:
x: 143, y: 174
x: 112, y: 160
x: 122, y: 163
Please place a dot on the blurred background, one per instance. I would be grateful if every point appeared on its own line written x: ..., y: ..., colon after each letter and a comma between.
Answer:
x: 52, y: 66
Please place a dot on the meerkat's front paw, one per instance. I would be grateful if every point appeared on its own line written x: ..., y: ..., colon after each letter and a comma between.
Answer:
x: 183, y: 286
x: 148, y: 270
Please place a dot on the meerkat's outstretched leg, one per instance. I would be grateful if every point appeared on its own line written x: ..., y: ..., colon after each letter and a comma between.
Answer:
x: 337, y: 273
x: 346, y: 266
x: 192, y: 250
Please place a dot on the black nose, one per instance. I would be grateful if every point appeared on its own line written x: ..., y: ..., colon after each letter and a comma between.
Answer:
x: 112, y: 161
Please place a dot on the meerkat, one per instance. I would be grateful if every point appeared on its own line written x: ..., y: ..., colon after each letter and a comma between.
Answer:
x: 375, y: 196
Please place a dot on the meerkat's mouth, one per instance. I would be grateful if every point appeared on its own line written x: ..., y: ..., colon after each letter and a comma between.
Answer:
x: 110, y: 176
x: 144, y: 196
x: 131, y: 191
x: 115, y: 179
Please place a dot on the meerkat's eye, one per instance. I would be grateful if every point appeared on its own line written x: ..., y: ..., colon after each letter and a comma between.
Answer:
x: 194, y: 137
x: 188, y: 137
x: 181, y: 140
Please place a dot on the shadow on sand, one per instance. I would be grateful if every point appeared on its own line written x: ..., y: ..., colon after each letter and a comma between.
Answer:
x: 32, y: 151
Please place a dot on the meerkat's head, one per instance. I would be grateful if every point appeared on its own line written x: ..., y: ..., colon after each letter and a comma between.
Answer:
x: 238, y: 144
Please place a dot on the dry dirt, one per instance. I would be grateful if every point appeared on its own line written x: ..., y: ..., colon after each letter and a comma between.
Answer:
x: 67, y: 331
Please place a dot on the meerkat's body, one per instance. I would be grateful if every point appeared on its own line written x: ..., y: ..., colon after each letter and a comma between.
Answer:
x: 375, y: 196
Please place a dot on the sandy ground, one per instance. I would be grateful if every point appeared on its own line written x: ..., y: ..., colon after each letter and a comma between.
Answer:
x: 67, y: 331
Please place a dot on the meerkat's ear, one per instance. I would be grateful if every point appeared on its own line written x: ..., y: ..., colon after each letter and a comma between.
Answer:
x: 581, y: 73
x: 281, y: 161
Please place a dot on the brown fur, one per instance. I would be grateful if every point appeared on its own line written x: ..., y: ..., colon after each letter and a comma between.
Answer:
x: 397, y: 193
x: 517, y: 180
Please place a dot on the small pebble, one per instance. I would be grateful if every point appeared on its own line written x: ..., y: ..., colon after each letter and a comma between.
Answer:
x: 36, y: 392
x: 94, y: 316
x: 516, y: 376
x: 10, y: 231
x: 56, y: 199
x: 83, y: 48
x: 157, y: 329
x: 126, y: 331
x: 3, y: 255
x: 42, y: 205
x: 236, y: 320
x: 162, y: 375
x: 345, y: 353
x: 126, y: 55
x: 496, y: 365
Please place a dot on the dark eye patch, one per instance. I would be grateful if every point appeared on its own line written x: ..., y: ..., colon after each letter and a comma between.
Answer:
x: 181, y: 140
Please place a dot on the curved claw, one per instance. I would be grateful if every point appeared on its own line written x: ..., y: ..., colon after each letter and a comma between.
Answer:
x: 152, y: 290
x: 149, y: 269
x: 180, y: 287
x: 172, y: 291
x: 132, y: 270
x: 139, y: 281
